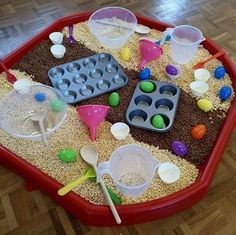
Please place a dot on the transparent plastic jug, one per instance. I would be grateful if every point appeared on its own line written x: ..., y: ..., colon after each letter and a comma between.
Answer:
x: 185, y: 40
x: 131, y: 167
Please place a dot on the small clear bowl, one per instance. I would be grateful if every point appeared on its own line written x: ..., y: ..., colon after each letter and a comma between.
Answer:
x: 16, y: 110
x: 112, y: 26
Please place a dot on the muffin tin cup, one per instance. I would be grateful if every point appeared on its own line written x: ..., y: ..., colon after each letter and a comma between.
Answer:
x: 88, y: 77
x: 144, y: 106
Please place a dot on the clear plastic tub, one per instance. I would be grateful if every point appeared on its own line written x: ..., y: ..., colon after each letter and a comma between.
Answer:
x: 112, y: 26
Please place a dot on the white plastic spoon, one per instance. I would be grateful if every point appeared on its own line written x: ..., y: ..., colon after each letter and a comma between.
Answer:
x: 90, y: 155
x: 39, y: 116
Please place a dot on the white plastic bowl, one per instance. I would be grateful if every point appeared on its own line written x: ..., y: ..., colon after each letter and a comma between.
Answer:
x: 112, y: 26
x: 168, y: 172
x: 120, y: 130
x: 202, y: 75
x: 56, y: 37
x: 199, y: 88
x: 58, y: 51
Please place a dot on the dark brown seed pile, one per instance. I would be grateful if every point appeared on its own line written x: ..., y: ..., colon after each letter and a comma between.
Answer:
x: 40, y: 60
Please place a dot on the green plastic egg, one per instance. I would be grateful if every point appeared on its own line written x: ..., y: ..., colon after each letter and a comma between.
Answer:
x: 158, y: 121
x: 204, y: 105
x: 114, y: 99
x: 56, y: 105
x: 147, y: 87
x: 67, y: 155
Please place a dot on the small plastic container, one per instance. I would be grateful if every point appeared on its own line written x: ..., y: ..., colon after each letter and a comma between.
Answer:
x: 201, y: 75
x: 112, y: 26
x: 172, y: 76
x: 120, y: 130
x: 58, y: 51
x: 56, y: 37
x: 132, y: 168
x: 199, y: 88
x: 22, y: 86
x: 168, y: 172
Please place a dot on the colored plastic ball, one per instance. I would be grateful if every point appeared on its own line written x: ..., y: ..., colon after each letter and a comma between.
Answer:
x: 219, y: 72
x: 198, y: 132
x: 172, y: 70
x: 147, y: 87
x: 225, y: 93
x: 40, y: 97
x: 114, y: 99
x: 179, y: 148
x: 158, y: 121
x: 144, y: 74
x: 67, y: 155
x: 56, y: 105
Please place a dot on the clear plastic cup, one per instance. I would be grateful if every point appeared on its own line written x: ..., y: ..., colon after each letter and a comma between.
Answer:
x: 199, y: 88
x: 185, y: 40
x: 112, y: 26
x: 131, y: 167
x: 56, y: 37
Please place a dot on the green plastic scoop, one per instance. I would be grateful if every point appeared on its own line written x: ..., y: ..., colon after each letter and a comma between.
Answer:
x: 90, y: 173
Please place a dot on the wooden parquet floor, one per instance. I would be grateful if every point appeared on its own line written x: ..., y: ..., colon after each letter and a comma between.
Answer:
x: 33, y: 213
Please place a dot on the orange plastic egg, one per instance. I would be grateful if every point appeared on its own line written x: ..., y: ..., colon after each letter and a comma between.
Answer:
x: 198, y: 131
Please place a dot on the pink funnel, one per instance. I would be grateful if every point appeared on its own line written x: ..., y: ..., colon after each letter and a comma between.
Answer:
x: 92, y: 116
x: 149, y: 51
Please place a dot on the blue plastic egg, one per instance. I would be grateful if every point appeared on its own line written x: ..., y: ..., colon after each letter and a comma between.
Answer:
x: 219, y: 72
x: 225, y: 93
x: 168, y: 38
x: 145, y: 74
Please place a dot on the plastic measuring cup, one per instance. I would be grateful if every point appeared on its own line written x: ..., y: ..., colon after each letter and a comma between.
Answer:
x: 131, y: 167
x: 185, y: 40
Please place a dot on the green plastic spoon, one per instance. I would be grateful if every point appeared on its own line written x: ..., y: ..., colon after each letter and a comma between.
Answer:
x: 90, y: 173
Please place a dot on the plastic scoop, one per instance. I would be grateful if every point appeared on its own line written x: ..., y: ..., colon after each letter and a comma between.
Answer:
x: 149, y: 51
x: 71, y: 38
x: 39, y: 116
x: 58, y: 51
x: 90, y: 173
x: 202, y: 63
x: 92, y: 116
x: 120, y: 130
x: 90, y: 155
x: 10, y: 77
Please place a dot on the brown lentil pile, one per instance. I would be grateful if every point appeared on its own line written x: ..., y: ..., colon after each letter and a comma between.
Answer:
x: 188, y: 114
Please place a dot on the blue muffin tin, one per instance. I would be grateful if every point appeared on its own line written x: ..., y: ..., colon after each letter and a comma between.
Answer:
x: 163, y: 100
x: 88, y: 77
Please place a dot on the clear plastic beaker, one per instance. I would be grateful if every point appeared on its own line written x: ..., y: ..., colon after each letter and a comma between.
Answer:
x: 185, y: 40
x: 131, y: 167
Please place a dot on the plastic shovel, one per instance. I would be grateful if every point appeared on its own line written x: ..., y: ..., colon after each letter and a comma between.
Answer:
x: 202, y: 63
x: 90, y: 173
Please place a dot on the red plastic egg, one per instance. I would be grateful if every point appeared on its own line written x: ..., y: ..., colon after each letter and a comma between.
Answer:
x: 198, y: 131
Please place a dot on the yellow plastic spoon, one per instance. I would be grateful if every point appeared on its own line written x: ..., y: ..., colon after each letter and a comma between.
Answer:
x: 90, y: 173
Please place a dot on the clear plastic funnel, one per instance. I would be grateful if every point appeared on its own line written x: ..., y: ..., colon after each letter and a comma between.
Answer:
x: 92, y: 116
x: 149, y: 51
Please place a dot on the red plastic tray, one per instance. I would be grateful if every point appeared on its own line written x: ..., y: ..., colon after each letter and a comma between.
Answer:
x: 130, y: 214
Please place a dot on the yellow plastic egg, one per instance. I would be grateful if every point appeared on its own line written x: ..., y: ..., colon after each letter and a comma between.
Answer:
x: 125, y: 54
x: 204, y: 105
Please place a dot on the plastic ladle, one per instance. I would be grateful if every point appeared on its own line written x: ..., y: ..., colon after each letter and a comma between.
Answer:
x: 90, y: 155
x: 90, y: 173
x: 202, y: 63
x: 39, y: 116
x: 10, y: 77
